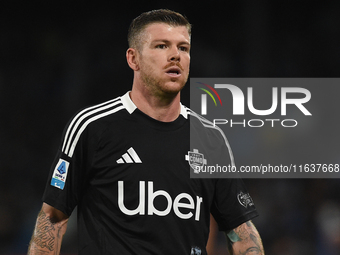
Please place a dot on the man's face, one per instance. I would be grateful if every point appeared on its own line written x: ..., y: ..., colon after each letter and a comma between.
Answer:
x: 165, y: 58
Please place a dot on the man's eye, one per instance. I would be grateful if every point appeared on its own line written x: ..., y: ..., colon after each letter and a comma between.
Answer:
x: 182, y: 48
x: 161, y: 46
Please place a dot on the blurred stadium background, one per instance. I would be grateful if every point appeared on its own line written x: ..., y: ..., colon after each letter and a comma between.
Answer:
x: 59, y: 56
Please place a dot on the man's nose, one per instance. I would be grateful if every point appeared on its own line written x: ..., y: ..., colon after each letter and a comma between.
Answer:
x: 174, y: 55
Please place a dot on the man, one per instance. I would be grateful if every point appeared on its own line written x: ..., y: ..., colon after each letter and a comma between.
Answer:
x: 124, y: 163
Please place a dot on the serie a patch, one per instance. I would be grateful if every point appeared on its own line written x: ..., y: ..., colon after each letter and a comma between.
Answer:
x: 60, y: 174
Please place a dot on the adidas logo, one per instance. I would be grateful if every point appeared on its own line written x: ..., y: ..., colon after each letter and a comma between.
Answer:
x: 129, y: 157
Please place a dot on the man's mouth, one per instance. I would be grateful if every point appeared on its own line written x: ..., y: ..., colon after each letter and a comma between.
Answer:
x: 174, y: 71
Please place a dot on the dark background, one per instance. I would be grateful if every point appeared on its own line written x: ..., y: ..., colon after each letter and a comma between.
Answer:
x: 57, y: 57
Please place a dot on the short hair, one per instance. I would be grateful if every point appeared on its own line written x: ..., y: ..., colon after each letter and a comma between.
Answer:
x: 138, y: 25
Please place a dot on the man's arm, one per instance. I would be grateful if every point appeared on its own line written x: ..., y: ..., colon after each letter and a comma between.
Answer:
x: 48, y: 232
x: 245, y: 240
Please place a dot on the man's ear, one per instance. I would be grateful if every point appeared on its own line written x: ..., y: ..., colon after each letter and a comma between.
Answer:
x: 132, y: 58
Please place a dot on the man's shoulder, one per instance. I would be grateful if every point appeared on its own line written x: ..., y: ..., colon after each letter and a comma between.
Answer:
x: 93, y: 119
x: 202, y: 127
x: 99, y: 111
x: 199, y: 120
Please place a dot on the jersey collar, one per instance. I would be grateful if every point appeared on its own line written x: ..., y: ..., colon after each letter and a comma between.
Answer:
x: 131, y: 107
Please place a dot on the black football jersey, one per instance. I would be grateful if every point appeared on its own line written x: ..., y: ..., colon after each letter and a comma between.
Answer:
x: 129, y: 175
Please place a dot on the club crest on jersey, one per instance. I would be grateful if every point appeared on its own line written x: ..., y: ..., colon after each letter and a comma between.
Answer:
x: 245, y: 199
x: 196, y: 160
x: 60, y: 174
x: 195, y: 251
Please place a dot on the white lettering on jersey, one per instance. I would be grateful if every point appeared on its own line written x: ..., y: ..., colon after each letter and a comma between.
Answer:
x: 151, y: 209
x: 141, y: 207
x: 182, y: 200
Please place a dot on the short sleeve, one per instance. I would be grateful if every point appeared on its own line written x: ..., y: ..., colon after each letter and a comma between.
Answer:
x: 232, y: 204
x: 70, y: 168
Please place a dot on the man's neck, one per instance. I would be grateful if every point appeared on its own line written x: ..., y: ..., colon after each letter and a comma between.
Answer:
x: 162, y: 109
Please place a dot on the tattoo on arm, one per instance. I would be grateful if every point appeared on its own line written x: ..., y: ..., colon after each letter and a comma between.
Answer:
x: 245, y: 240
x: 46, y: 237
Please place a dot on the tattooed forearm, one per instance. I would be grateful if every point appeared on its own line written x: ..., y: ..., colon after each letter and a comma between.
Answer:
x: 47, y: 235
x: 44, y: 232
x: 245, y: 240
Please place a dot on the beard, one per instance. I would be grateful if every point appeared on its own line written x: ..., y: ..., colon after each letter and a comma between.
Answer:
x: 158, y: 86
